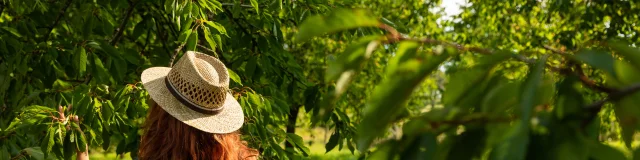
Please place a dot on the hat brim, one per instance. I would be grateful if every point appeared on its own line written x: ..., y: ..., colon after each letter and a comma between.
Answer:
x: 228, y: 120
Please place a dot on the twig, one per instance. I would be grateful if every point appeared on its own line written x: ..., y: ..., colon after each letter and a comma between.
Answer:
x: 123, y: 24
x: 164, y: 41
x: 55, y: 23
x: 244, y: 30
x: 8, y: 135
x: 201, y: 47
x: 553, y: 49
x: 580, y: 73
x: 19, y: 156
x: 175, y: 54
x: 595, y: 107
x: 590, y: 83
x: 165, y: 19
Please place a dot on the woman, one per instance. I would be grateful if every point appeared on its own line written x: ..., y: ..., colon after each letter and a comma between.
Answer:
x: 192, y: 115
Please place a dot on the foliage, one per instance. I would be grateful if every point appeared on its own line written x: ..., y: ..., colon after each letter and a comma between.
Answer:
x: 510, y: 93
x: 511, y: 79
x: 86, y: 56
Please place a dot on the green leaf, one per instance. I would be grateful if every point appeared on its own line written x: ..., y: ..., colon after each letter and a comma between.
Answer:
x: 636, y: 154
x: 88, y: 27
x: 495, y: 100
x: 297, y: 141
x: 601, y: 151
x: 48, y: 141
x: 424, y: 147
x: 61, y: 85
x: 119, y: 70
x: 234, y: 76
x: 80, y: 61
x: 185, y: 35
x: 207, y: 37
x: 627, y: 52
x: 513, y: 146
x: 110, y: 50
x: 217, y: 26
x: 337, y: 20
x: 385, y: 151
x: 470, y: 142
x: 460, y: 83
x: 101, y: 72
x: 81, y: 141
x: 69, y: 148
x: 12, y: 31
x: 570, y: 144
x: 35, y: 153
x: 569, y: 100
x: 107, y: 110
x: 4, y: 152
x: 627, y: 112
x: 333, y: 141
x: 250, y: 67
x: 389, y: 97
x: 352, y: 58
x: 192, y: 42
x: 254, y: 4
x: 597, y: 59
x: 530, y: 88
x: 625, y: 74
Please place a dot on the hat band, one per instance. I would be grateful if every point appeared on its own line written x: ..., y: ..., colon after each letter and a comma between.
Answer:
x: 188, y: 103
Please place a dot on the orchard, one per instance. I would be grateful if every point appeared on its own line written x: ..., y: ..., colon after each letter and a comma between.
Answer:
x: 503, y: 80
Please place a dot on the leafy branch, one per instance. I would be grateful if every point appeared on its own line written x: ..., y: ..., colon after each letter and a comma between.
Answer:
x: 595, y: 107
x: 55, y: 23
x: 124, y: 22
x: 613, y: 94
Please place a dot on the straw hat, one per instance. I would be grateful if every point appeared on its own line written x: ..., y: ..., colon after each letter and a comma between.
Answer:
x: 195, y: 91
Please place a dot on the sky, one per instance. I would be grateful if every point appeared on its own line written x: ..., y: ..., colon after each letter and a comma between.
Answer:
x: 452, y: 7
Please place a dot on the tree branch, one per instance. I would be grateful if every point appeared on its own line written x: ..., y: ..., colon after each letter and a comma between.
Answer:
x: 175, y: 53
x: 594, y: 108
x: 580, y: 73
x: 120, y: 30
x: 55, y: 23
x: 164, y: 41
x: 244, y: 30
x: 204, y: 48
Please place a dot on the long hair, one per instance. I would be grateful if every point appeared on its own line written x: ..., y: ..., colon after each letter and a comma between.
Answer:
x: 168, y: 138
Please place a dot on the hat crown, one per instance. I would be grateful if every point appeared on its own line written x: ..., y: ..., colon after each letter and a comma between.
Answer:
x: 201, y: 79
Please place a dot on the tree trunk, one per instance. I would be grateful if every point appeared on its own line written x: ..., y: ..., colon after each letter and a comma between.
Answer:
x: 291, y: 125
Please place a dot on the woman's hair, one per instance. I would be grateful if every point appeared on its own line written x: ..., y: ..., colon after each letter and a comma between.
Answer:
x: 168, y: 138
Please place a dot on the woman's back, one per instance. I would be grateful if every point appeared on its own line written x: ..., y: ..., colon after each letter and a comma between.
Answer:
x: 167, y: 138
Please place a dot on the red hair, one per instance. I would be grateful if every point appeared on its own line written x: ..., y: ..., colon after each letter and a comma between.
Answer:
x: 168, y: 138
